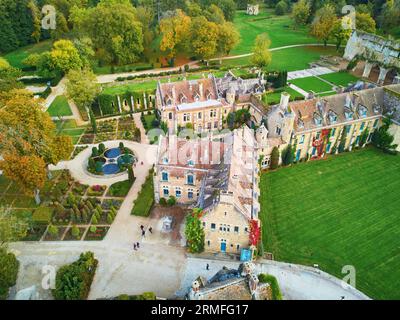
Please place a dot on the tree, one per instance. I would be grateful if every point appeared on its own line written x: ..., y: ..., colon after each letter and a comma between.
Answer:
x: 301, y: 12
x: 82, y: 88
x: 340, y: 34
x: 228, y: 38
x: 131, y: 174
x: 11, y: 228
x: 228, y: 7
x: 175, y: 32
x: 287, y: 155
x: 323, y: 23
x: 64, y: 56
x: 382, y: 139
x: 215, y: 14
x: 93, y: 120
x: 114, y: 29
x: 274, y: 158
x: 390, y: 15
x: 9, y: 266
x: 262, y: 56
x: 365, y: 22
x: 29, y: 142
x: 281, y: 8
x: 194, y: 232
x: 8, y: 76
x: 204, y: 37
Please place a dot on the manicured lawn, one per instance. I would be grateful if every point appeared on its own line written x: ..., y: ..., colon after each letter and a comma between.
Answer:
x: 279, y: 28
x: 16, y: 57
x: 340, y: 78
x: 145, y: 199
x: 312, y: 84
x: 290, y: 59
x: 338, y: 212
x: 60, y: 107
x: 275, y: 97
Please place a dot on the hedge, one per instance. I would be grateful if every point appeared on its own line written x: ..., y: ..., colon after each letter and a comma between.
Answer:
x: 271, y: 280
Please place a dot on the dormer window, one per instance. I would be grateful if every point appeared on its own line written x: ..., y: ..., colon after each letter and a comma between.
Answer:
x: 278, y: 130
x: 191, y: 163
x: 317, y: 119
x: 348, y: 114
x: 168, y: 101
x: 362, y: 111
x: 183, y: 99
x: 208, y: 95
x: 300, y: 123
x: 332, y: 117
x: 165, y: 160
x: 196, y: 97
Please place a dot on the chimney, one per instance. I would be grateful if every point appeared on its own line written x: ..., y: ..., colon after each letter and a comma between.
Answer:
x: 284, y: 101
x: 174, y: 93
x: 201, y: 90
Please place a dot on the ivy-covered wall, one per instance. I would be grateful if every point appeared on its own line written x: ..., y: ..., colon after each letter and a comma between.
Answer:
x: 131, y: 101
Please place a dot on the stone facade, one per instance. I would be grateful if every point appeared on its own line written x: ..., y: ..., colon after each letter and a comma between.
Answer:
x: 377, y: 51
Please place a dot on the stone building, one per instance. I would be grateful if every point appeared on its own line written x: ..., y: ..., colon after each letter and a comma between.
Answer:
x: 378, y: 52
x: 204, y: 104
x: 231, y: 284
x: 221, y: 177
x: 324, y: 125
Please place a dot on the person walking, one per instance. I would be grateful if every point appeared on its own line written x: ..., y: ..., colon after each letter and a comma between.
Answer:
x: 142, y: 227
x: 151, y: 230
x: 134, y: 246
x: 207, y: 267
x: 138, y: 245
x: 143, y: 233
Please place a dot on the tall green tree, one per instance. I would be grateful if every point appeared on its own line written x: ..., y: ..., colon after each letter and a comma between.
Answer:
x: 11, y: 227
x: 261, y: 54
x: 383, y: 139
x: 323, y: 23
x: 9, y: 266
x: 275, y: 155
x: 301, y: 12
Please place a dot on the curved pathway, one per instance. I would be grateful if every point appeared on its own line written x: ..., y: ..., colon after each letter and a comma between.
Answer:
x: 113, y: 77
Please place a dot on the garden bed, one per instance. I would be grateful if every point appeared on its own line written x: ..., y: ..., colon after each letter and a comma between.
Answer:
x: 56, y: 237
x: 99, y: 235
x: 70, y: 237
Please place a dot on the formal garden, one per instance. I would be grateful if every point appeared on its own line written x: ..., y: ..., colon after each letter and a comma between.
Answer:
x: 69, y: 210
x: 337, y: 212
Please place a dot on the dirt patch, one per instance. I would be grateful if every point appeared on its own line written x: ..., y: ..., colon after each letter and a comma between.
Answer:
x: 178, y: 214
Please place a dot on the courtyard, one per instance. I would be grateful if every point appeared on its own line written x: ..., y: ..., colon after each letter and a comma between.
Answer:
x: 336, y: 212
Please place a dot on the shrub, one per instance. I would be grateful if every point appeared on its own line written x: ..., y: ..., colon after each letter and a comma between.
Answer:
x: 274, y: 158
x: 109, y: 219
x: 95, y: 220
x: 276, y: 292
x: 194, y: 232
x: 163, y: 202
x: 171, y: 201
x: 93, y: 229
x: 75, y: 232
x: 102, y: 148
x: 73, y: 281
x: 121, y: 146
x: 281, y: 8
x: 53, y: 230
x: 95, y: 152
x: 9, y: 266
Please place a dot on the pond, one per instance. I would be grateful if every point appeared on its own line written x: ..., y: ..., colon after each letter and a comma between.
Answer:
x: 111, y: 168
x: 112, y: 153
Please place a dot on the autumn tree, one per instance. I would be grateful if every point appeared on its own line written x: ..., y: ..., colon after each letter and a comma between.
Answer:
x: 29, y: 143
x: 204, y: 37
x: 340, y: 34
x: 301, y: 12
x: 261, y: 54
x: 365, y: 22
x: 82, y: 88
x: 323, y: 23
x: 8, y: 76
x: 64, y: 56
x: 194, y: 232
x: 228, y: 38
x: 175, y: 32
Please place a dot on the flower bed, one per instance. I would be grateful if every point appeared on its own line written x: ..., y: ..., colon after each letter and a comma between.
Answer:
x: 109, y: 203
x: 96, y: 191
x: 98, y: 235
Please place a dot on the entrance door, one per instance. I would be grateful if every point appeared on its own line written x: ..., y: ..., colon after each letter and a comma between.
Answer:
x: 223, y: 246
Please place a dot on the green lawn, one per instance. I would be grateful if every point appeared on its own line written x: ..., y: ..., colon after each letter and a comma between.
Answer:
x: 145, y: 199
x: 312, y: 84
x: 119, y: 189
x: 279, y: 28
x: 60, y: 107
x: 337, y: 212
x: 275, y: 97
x: 16, y: 57
x: 290, y: 59
x: 340, y: 78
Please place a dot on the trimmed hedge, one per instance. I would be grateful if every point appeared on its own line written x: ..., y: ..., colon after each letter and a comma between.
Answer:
x: 42, y: 215
x: 271, y: 280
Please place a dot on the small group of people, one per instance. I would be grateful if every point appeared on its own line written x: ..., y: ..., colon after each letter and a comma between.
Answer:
x: 136, y: 245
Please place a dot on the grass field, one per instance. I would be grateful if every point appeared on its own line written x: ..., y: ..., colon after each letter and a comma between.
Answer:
x: 279, y: 28
x: 145, y: 199
x: 312, y: 84
x: 60, y: 107
x: 290, y: 59
x: 16, y: 57
x: 340, y: 78
x: 275, y: 97
x: 341, y: 211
